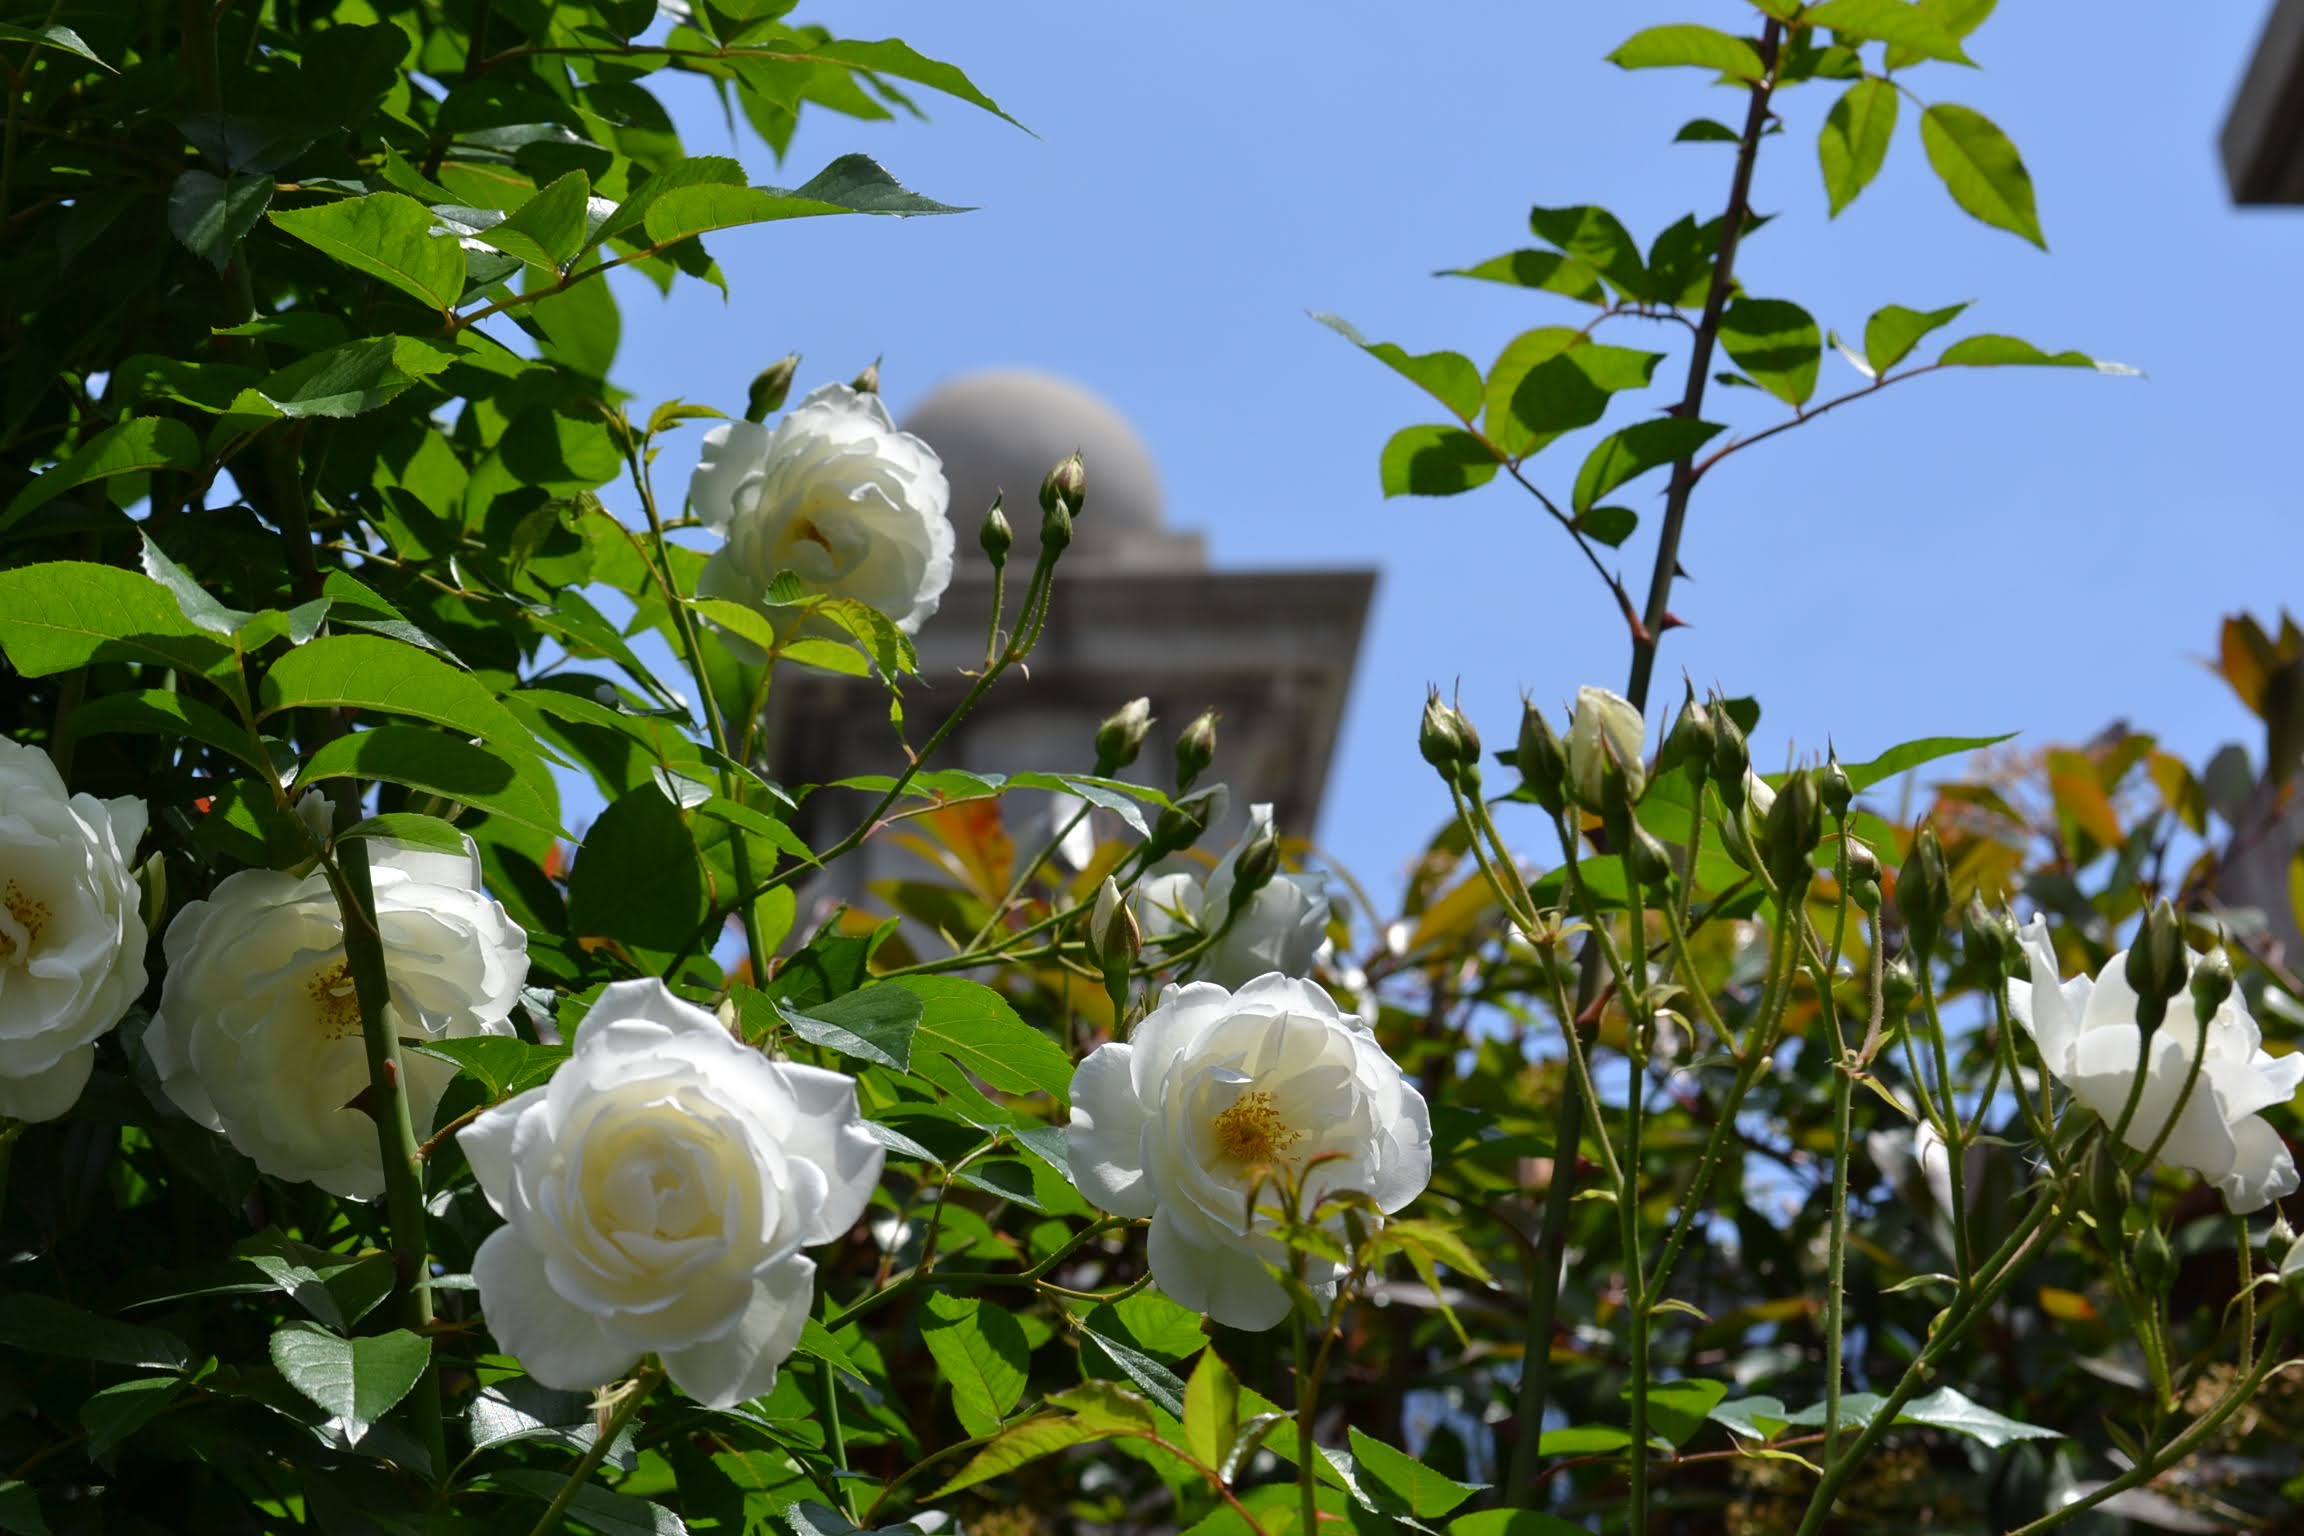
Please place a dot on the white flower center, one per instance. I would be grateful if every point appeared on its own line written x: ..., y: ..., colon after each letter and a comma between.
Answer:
x: 335, y: 1001
x: 1251, y: 1131
x: 27, y: 917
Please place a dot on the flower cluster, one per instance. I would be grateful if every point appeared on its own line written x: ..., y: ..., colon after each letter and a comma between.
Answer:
x: 1275, y: 925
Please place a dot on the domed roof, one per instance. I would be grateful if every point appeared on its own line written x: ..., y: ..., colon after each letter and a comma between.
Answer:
x: 1002, y: 429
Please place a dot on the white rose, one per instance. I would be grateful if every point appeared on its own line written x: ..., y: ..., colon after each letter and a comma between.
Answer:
x: 1605, y: 727
x: 835, y: 495
x: 2089, y: 1041
x: 1280, y: 929
x: 656, y: 1194
x: 1215, y: 1086
x: 258, y: 1034
x: 71, y: 930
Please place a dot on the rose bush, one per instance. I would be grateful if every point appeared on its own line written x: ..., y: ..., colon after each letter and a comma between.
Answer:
x: 71, y: 930
x: 258, y: 1033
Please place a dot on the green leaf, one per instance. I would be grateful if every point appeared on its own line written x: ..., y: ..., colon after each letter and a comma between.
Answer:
x: 355, y: 1380
x: 1160, y: 1384
x: 548, y: 229
x: 875, y: 1024
x: 118, y: 1411
x: 159, y: 712
x: 974, y: 1027
x: 1689, y: 44
x: 827, y: 656
x: 519, y: 1408
x: 369, y: 672
x: 980, y: 1350
x: 1435, y: 461
x: 892, y: 56
x: 19, y: 1503
x: 386, y: 235
x: 1594, y: 237
x: 1990, y: 351
x: 1677, y: 1409
x: 857, y: 184
x: 604, y: 1511
x: 1947, y: 1408
x: 850, y: 184
x: 1211, y: 1410
x: 211, y: 216
x: 437, y: 764
x: 134, y: 447
x: 1022, y: 1443
x: 355, y: 377
x: 41, y: 1325
x: 1548, y: 271
x: 1704, y: 130
x: 62, y: 39
x: 1854, y: 142
x: 1777, y: 343
x: 1448, y: 377
x: 1958, y: 18
x: 1607, y: 525
x: 1755, y: 1418
x: 68, y: 613
x: 1582, y: 1440
x: 1893, y: 331
x: 1981, y: 169
x: 1399, y: 1484
x: 1513, y: 1522
x: 639, y: 878
x: 192, y: 598
x: 409, y: 829
x: 1551, y: 380
x: 500, y: 1064
x: 1888, y: 21
x: 1634, y: 451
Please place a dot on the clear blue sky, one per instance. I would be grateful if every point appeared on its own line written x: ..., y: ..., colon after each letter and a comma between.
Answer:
x: 2032, y: 550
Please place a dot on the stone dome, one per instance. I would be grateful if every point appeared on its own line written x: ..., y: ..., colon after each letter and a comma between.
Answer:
x: 1000, y: 431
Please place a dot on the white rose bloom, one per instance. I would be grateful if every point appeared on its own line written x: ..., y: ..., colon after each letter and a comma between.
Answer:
x: 71, y: 930
x: 834, y: 494
x: 1215, y: 1086
x: 258, y: 1034
x: 1280, y: 929
x: 2089, y: 1041
x: 656, y: 1194
x: 1605, y: 717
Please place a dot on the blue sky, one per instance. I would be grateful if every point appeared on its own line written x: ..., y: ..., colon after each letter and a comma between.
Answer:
x: 2034, y: 550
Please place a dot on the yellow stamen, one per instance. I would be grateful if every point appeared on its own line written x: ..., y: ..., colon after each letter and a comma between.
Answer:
x: 335, y: 1000
x: 31, y: 914
x: 1251, y: 1131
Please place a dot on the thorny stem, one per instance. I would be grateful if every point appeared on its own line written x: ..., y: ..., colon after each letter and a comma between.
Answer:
x: 635, y: 1393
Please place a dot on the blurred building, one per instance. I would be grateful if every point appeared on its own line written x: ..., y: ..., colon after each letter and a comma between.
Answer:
x: 2263, y: 140
x: 1138, y: 611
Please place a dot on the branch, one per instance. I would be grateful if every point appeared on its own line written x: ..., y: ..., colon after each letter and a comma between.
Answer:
x: 1802, y: 418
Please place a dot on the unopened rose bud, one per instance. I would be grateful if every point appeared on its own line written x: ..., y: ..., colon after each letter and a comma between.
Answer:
x: 1066, y: 486
x: 996, y: 536
x: 867, y: 382
x: 1646, y: 860
x: 1981, y: 936
x: 2211, y: 983
x: 1182, y: 823
x: 2292, y: 1270
x: 1690, y: 744
x: 1897, y: 990
x: 2155, y: 1264
x: 1605, y: 736
x: 1055, y: 532
x: 1195, y: 749
x: 1794, y: 826
x: 1863, y: 877
x: 1924, y: 893
x: 770, y: 386
x: 1254, y: 868
x: 1834, y: 788
x: 1447, y: 739
x: 2156, y: 964
x: 1121, y: 736
x: 1542, y: 760
x: 1731, y: 757
x: 318, y: 817
x: 1113, y: 933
